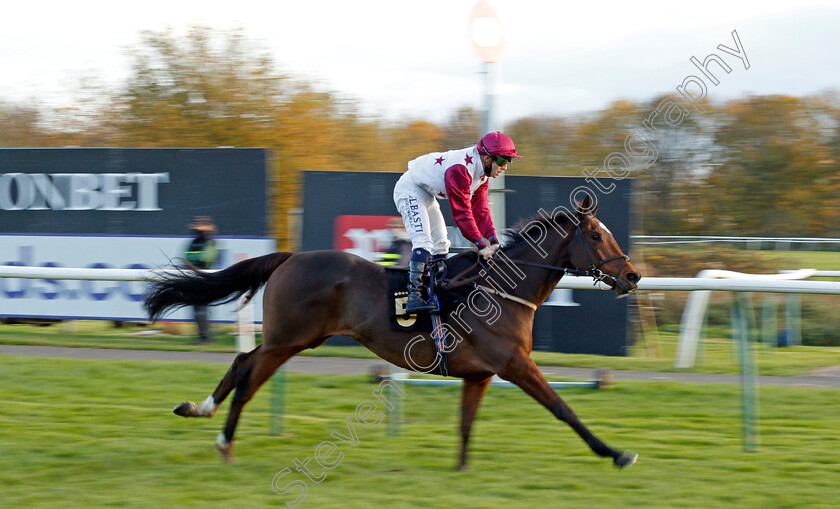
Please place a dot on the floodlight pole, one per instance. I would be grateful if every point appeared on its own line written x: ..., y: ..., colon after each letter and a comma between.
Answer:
x: 486, y: 33
x: 491, y: 123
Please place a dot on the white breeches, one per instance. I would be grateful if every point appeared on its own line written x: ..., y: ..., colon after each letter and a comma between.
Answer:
x: 422, y: 217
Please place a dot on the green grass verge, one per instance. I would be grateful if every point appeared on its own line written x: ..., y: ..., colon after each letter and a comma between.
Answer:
x: 103, y: 334
x: 101, y: 434
x: 823, y: 260
x: 715, y: 356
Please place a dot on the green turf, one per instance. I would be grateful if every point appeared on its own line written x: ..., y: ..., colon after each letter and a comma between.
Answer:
x: 103, y: 334
x: 101, y: 434
x: 716, y: 356
x: 823, y: 260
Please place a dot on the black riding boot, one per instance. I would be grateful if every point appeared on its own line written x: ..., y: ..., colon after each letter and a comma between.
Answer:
x: 416, y: 288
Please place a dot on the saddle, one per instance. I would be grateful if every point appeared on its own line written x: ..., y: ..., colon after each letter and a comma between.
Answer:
x: 441, y: 294
x: 444, y: 297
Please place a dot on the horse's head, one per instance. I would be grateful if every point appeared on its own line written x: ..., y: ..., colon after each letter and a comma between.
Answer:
x: 594, y: 248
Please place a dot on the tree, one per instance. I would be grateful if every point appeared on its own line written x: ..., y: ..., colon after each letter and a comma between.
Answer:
x: 669, y: 189
x: 544, y: 144
x: 20, y: 126
x: 778, y: 174
x: 197, y: 91
x: 759, y: 165
x: 463, y: 128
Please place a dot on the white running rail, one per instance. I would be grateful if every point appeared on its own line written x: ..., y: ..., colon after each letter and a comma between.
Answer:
x: 705, y: 282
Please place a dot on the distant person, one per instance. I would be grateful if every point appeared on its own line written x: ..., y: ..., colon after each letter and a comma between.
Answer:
x: 462, y: 176
x: 202, y: 253
x: 399, y: 252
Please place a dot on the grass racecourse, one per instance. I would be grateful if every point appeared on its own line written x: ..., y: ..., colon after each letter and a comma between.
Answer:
x: 93, y: 434
x: 717, y: 353
x: 101, y: 434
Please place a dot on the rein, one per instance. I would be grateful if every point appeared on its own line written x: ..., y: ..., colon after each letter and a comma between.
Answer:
x: 593, y: 271
x: 460, y: 280
x: 508, y: 296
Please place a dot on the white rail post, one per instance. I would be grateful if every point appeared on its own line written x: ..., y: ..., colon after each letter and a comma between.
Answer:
x: 695, y: 306
x: 245, y: 338
x: 793, y: 324
x: 769, y: 321
x: 749, y: 373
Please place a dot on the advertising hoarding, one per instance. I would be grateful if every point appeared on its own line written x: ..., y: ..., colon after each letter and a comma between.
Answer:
x: 111, y: 300
x: 117, y: 191
x: 122, y: 208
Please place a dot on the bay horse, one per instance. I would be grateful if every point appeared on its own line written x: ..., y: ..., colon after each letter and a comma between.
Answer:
x: 311, y: 296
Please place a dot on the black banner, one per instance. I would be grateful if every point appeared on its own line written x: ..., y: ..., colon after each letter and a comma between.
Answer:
x: 132, y: 191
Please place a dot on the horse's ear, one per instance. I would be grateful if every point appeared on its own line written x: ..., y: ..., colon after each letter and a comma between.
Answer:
x: 587, y: 207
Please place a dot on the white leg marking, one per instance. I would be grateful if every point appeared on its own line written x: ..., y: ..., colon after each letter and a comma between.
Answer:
x: 221, y: 441
x: 207, y: 407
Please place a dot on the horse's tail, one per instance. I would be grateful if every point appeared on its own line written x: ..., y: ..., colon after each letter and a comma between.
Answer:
x: 193, y: 286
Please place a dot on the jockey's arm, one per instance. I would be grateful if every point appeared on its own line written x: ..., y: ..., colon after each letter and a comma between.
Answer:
x: 472, y: 214
x: 458, y: 182
x: 481, y: 212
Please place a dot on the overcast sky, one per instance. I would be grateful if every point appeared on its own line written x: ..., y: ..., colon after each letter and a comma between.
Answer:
x: 415, y: 58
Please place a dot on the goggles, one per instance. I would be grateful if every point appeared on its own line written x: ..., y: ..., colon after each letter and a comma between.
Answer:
x: 502, y: 161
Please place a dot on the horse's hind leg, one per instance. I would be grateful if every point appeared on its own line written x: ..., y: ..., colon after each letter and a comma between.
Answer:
x: 522, y: 371
x: 470, y: 399
x: 208, y: 407
x: 250, y: 377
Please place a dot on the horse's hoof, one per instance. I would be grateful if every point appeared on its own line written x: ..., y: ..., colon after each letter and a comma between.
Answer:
x: 225, y: 448
x: 227, y: 454
x: 186, y: 409
x: 626, y: 459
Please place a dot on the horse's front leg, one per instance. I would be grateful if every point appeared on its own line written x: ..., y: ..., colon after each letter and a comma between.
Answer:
x: 522, y: 371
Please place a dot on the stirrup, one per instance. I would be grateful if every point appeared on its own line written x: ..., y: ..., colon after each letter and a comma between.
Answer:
x: 418, y: 304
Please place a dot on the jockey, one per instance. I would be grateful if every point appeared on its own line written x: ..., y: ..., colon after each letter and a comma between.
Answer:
x: 462, y: 176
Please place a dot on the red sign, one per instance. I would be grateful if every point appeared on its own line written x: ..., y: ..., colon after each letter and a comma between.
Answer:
x: 364, y: 236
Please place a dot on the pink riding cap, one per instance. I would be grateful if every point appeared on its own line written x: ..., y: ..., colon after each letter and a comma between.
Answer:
x: 497, y: 144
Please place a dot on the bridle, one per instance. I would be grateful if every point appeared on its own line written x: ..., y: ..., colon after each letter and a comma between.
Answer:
x: 593, y: 271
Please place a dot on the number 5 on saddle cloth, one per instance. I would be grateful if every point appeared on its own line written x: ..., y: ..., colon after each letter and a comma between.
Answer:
x: 428, y: 323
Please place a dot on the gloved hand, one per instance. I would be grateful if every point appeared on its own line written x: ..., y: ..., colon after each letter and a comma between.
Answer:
x: 487, y: 252
x: 486, y: 249
x: 494, y: 243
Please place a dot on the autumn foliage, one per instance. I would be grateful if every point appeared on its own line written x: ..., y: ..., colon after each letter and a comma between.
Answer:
x: 754, y: 166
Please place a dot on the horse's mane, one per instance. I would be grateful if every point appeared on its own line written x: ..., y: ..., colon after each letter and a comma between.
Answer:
x: 464, y: 264
x: 516, y: 235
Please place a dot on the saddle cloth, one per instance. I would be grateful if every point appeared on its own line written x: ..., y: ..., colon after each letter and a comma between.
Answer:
x: 397, y: 297
x: 449, y: 299
x: 425, y: 322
